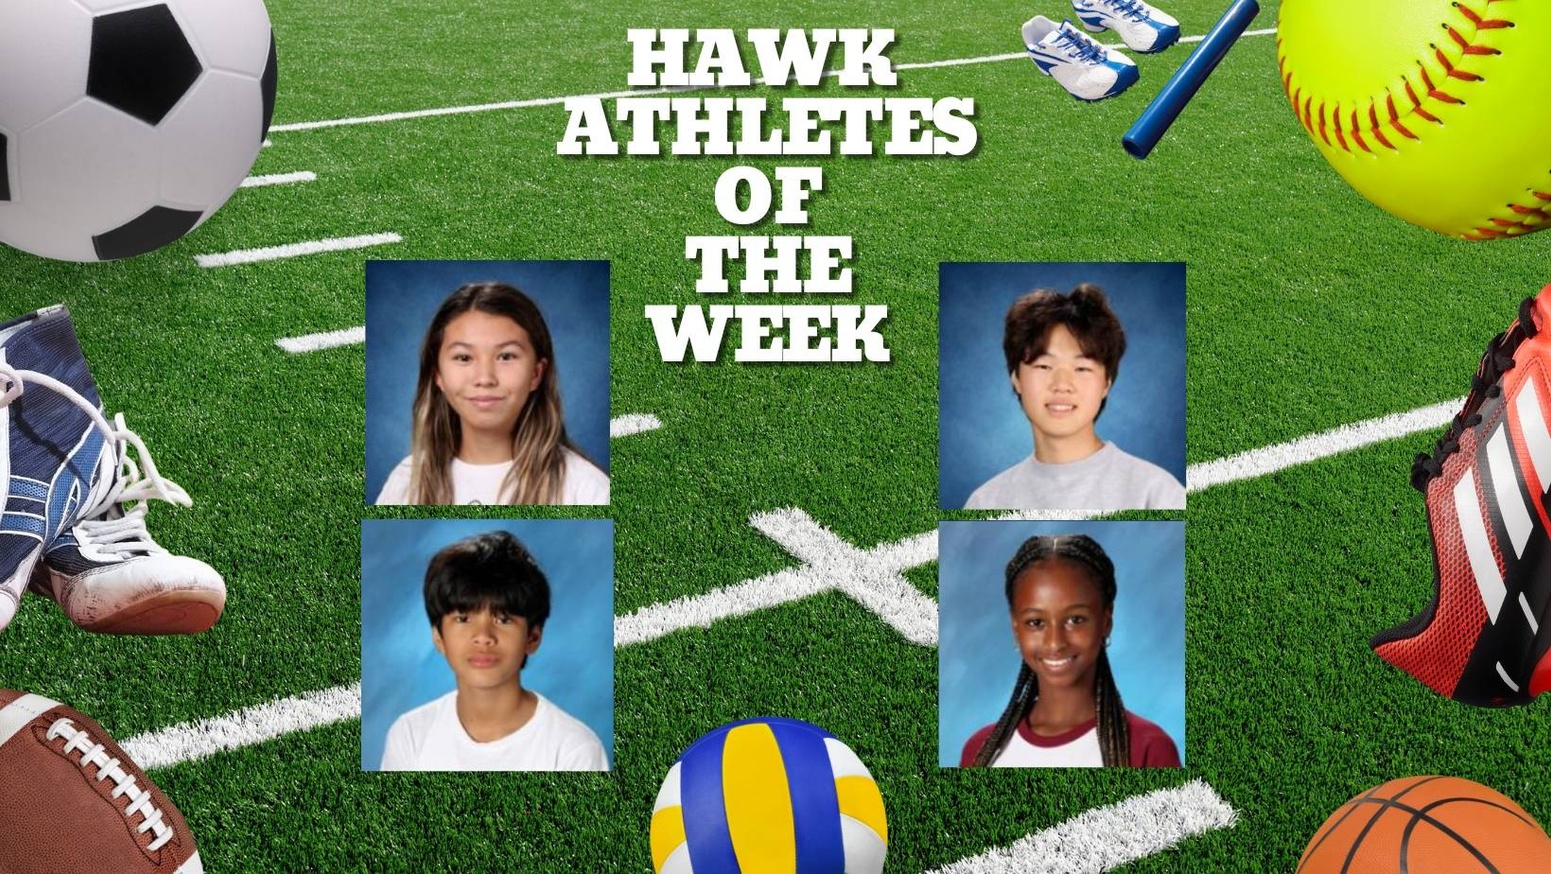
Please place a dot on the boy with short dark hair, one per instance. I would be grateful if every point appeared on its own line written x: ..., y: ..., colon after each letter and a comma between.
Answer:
x: 488, y: 600
x: 1063, y: 353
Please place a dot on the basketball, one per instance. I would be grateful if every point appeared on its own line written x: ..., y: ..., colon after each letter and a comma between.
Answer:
x: 1428, y: 825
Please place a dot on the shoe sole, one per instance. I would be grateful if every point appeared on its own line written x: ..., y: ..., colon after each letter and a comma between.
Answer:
x: 167, y: 613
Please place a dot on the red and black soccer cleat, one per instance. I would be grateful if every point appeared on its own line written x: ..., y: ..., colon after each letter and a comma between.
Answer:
x: 1484, y: 638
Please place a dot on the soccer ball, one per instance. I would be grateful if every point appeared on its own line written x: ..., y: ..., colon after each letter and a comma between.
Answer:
x: 124, y: 125
x: 769, y: 794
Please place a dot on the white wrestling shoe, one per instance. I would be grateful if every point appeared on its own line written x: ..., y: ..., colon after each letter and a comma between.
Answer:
x: 107, y: 573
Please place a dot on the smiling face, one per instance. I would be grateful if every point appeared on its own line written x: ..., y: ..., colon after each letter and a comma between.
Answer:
x: 487, y: 369
x: 485, y: 648
x: 1061, y: 390
x: 1060, y: 623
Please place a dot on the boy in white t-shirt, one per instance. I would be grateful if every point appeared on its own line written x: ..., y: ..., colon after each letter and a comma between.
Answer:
x: 487, y: 601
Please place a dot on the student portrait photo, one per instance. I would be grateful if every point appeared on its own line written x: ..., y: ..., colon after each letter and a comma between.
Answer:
x: 1062, y: 644
x: 487, y: 646
x: 1062, y: 386
x: 487, y: 382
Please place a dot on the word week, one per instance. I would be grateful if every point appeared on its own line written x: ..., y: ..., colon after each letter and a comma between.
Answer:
x: 809, y: 264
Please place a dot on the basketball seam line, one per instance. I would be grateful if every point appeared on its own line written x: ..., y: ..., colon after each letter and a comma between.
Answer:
x: 1352, y: 808
x: 1420, y: 815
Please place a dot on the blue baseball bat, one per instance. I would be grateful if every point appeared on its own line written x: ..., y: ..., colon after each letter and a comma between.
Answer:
x: 1161, y: 112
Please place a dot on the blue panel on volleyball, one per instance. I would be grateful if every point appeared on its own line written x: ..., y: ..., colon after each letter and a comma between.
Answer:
x: 814, y: 805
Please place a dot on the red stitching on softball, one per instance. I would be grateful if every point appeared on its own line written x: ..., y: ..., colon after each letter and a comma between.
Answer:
x: 1449, y: 69
x: 1357, y: 136
x: 1431, y: 90
x: 1394, y: 119
x: 1534, y: 218
x: 1482, y: 23
x: 1377, y: 129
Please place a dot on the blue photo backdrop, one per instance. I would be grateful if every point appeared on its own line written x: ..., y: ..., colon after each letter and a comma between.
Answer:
x: 400, y: 667
x: 982, y: 430
x: 978, y: 661
x: 401, y: 298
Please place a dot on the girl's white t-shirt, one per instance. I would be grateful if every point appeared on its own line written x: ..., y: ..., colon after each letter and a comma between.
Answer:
x: 481, y: 483
x: 1075, y: 749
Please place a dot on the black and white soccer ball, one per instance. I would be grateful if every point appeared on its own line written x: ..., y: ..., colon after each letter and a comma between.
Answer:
x: 124, y: 124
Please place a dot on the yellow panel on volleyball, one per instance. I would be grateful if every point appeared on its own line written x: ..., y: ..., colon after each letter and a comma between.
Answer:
x: 757, y: 798
x: 667, y: 834
x: 860, y: 799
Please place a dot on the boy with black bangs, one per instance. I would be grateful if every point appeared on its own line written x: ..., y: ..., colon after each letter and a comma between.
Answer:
x: 1063, y: 352
x: 487, y: 601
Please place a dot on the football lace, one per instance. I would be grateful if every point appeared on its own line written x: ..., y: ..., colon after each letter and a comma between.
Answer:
x: 110, y: 769
x: 1486, y: 384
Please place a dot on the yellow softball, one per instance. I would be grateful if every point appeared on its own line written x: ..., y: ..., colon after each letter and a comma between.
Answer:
x: 1437, y: 111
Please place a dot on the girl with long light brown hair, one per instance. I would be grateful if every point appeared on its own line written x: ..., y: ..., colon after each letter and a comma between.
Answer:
x: 488, y: 427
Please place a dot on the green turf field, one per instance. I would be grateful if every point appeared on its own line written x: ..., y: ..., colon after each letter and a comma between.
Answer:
x: 1308, y: 309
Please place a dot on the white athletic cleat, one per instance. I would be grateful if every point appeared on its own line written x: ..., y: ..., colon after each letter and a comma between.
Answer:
x: 107, y: 573
x: 1084, y: 67
x: 1142, y: 27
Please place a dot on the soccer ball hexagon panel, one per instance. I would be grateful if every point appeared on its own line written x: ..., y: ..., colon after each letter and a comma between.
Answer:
x: 116, y: 118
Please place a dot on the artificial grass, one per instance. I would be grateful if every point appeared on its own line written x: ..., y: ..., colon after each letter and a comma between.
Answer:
x: 1308, y: 309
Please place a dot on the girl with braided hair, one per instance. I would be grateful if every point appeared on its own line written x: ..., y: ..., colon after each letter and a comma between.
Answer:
x: 1065, y: 709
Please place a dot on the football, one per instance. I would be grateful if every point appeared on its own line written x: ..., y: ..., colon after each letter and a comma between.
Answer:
x: 75, y: 802
x: 123, y: 126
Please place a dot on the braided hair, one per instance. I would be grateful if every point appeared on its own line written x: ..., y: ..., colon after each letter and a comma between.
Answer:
x: 1114, y: 734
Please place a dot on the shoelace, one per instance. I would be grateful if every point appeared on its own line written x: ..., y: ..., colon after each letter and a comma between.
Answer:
x: 1130, y: 9
x: 1079, y: 47
x: 123, y: 531
x: 1485, y: 385
x: 124, y: 783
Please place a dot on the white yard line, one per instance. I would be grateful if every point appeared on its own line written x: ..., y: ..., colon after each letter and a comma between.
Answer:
x: 325, y: 340
x: 638, y: 92
x: 295, y: 250
x: 197, y: 740
x: 1107, y: 837
x: 279, y: 179
x: 633, y: 423
x: 1270, y: 459
x: 870, y: 576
